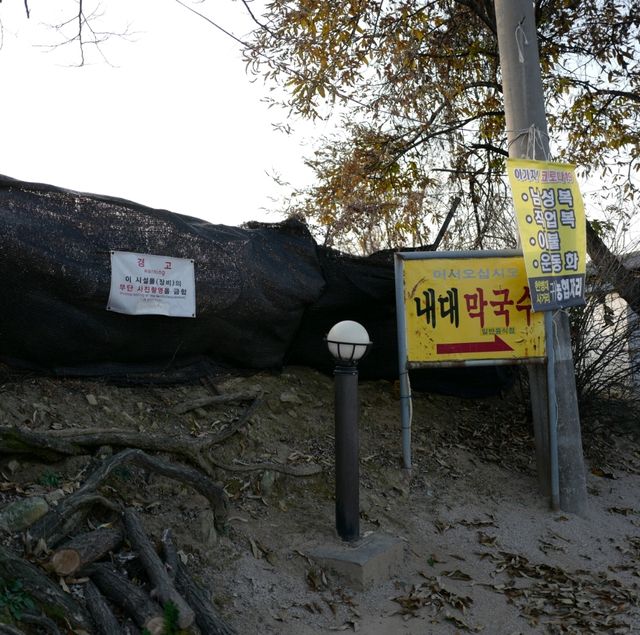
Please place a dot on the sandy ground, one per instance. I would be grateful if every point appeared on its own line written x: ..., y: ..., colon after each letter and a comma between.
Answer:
x: 483, y: 552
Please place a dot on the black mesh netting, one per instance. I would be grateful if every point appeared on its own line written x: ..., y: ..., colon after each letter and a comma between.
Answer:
x: 252, y: 285
x: 266, y: 294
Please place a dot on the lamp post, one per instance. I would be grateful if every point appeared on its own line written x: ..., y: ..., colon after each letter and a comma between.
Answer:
x: 348, y: 342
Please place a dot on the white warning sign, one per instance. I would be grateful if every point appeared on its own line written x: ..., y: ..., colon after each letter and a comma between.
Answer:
x: 143, y: 284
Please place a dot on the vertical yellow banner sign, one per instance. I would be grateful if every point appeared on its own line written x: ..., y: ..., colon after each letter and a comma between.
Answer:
x: 551, y: 222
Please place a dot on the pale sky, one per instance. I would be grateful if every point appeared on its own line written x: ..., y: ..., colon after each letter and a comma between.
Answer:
x: 174, y: 122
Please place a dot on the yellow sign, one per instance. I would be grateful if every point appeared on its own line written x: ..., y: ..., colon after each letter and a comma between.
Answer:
x: 551, y: 222
x: 476, y: 308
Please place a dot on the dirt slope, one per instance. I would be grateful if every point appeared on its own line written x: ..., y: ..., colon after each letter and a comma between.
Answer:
x: 483, y: 551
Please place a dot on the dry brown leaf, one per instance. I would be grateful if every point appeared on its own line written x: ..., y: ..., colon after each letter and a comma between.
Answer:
x: 303, y: 555
x: 254, y: 549
x: 315, y: 579
x: 441, y: 526
x: 624, y: 511
x: 476, y: 523
x: 457, y: 575
x: 461, y: 623
x: 598, y: 471
x: 486, y: 539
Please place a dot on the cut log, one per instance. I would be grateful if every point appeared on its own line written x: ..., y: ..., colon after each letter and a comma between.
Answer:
x: 155, y: 626
x: 132, y: 599
x: 163, y: 587
x: 48, y: 595
x: 60, y: 522
x: 105, y: 621
x: 207, y: 618
x: 84, y: 549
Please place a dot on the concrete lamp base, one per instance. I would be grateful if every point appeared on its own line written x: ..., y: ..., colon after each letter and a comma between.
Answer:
x: 363, y: 564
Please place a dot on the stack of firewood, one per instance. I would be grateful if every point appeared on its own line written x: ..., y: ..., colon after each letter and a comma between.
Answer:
x: 118, y: 595
x: 117, y: 598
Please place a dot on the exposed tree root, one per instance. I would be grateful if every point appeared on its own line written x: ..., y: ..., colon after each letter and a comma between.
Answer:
x: 107, y: 591
x: 52, y: 444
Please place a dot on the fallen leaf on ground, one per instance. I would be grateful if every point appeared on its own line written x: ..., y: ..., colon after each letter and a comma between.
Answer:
x: 598, y: 471
x: 457, y: 575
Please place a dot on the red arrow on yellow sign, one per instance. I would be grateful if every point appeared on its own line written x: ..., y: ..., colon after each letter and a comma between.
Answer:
x: 496, y: 346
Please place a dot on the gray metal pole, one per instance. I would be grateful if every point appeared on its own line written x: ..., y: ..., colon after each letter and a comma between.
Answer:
x: 347, y: 453
x: 403, y: 372
x: 524, y: 108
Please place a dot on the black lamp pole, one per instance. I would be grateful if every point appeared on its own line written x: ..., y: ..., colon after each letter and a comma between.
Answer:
x: 347, y: 452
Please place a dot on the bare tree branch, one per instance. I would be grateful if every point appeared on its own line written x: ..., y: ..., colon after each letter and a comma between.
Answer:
x: 214, y: 24
x: 253, y: 17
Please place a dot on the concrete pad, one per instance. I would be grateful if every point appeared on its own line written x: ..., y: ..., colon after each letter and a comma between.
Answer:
x: 363, y: 564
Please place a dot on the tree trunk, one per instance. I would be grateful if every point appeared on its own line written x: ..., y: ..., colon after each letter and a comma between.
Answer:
x: 624, y: 281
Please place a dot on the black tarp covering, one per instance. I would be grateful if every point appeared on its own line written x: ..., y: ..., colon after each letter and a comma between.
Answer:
x: 252, y: 285
x: 266, y: 295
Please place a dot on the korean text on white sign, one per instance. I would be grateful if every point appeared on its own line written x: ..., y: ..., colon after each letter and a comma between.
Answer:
x: 144, y: 284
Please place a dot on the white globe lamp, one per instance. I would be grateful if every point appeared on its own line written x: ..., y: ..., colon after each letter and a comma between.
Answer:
x: 348, y: 342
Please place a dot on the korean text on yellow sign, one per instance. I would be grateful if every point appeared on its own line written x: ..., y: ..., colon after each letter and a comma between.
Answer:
x: 459, y: 309
x: 551, y: 223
